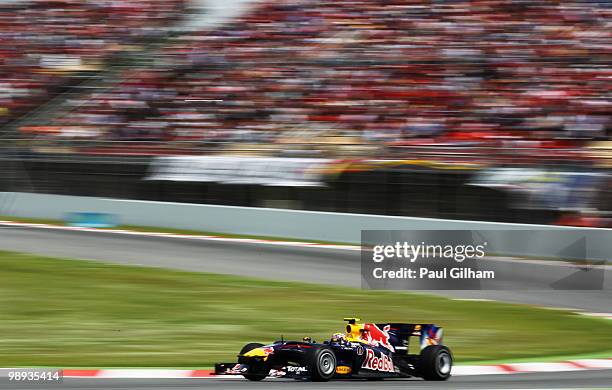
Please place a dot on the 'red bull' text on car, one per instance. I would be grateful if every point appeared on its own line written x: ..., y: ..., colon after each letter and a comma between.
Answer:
x: 365, y: 350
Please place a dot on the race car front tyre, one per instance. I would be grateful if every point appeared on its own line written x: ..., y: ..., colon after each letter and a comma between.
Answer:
x: 321, y: 362
x: 258, y: 369
x: 435, y: 363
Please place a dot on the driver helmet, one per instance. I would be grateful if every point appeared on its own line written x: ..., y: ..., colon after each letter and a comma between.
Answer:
x: 338, y: 338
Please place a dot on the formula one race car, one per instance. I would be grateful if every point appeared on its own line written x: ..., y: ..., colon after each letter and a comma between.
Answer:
x: 368, y: 351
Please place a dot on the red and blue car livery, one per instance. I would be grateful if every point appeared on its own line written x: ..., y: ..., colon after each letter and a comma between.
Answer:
x: 363, y: 351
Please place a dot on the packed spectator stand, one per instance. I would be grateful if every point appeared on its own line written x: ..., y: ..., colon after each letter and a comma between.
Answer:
x: 350, y: 77
x: 446, y: 85
x: 46, y: 43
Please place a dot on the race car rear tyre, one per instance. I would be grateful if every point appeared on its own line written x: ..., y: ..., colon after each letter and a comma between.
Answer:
x: 435, y: 363
x: 258, y: 370
x: 321, y: 363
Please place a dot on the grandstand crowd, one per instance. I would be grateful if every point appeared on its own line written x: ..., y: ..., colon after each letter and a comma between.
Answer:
x: 482, y: 82
x: 391, y: 72
x: 44, y: 42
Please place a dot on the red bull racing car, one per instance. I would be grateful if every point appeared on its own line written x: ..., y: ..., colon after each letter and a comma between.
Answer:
x: 365, y: 350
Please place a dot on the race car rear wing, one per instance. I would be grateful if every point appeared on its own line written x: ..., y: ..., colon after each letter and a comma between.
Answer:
x: 400, y: 333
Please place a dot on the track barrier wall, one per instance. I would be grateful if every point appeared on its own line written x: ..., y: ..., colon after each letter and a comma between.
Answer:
x: 291, y: 224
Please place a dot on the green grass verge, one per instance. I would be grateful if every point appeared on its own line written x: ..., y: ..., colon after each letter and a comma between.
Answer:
x: 59, y: 312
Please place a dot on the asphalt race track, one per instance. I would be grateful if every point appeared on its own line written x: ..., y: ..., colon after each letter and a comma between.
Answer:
x: 314, y: 265
x: 567, y: 380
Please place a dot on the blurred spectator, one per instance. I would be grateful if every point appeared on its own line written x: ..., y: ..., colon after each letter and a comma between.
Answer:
x: 43, y: 42
x: 532, y: 74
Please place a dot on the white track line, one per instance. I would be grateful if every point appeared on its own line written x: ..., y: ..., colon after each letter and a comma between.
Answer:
x: 469, y: 370
x: 607, y: 316
x: 182, y: 236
